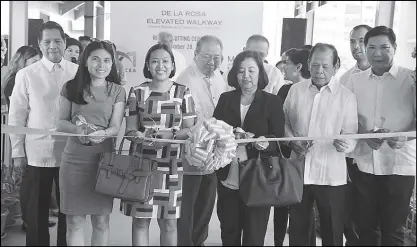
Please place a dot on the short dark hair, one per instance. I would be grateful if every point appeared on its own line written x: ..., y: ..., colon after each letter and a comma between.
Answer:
x: 72, y: 41
x: 257, y: 37
x: 82, y: 80
x: 300, y: 56
x: 146, y: 71
x: 381, y: 30
x: 307, y: 47
x: 232, y: 76
x: 50, y: 25
x: 86, y: 38
x: 206, y: 39
x: 323, y: 46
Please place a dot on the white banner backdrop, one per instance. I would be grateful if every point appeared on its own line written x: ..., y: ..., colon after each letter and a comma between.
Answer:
x: 135, y: 26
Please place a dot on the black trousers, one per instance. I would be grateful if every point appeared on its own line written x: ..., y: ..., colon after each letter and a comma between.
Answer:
x: 237, y: 219
x: 330, y: 201
x: 281, y: 215
x: 35, y: 198
x: 280, y: 224
x: 197, y: 204
x: 351, y: 230
x: 382, y: 206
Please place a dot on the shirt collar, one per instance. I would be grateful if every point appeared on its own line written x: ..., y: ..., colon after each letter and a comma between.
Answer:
x: 393, y: 71
x: 356, y: 69
x: 200, y: 74
x: 333, y: 85
x: 50, y: 65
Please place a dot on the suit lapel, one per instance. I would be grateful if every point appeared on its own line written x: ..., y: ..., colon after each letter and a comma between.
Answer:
x: 235, y: 106
x: 253, y: 110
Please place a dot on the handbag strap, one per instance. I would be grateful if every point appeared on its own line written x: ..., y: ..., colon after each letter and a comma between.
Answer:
x: 111, y: 163
x: 279, y: 148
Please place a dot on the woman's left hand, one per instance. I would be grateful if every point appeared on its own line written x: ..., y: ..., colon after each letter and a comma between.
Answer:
x: 260, y: 144
x: 97, y: 136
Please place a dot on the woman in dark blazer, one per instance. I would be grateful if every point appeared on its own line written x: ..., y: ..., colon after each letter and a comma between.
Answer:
x: 257, y: 112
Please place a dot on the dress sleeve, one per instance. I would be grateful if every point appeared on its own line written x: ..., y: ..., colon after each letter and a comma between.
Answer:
x: 131, y: 111
x: 188, y: 106
x: 120, y: 95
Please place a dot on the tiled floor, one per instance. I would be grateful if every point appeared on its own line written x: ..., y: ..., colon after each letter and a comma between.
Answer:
x: 120, y: 232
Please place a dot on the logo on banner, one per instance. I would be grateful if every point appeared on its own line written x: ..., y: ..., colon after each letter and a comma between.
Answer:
x: 128, y: 59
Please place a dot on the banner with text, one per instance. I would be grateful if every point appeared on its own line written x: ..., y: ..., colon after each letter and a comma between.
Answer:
x: 135, y: 27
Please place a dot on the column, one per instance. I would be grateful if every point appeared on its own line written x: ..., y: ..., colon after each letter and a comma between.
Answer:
x: 89, y: 19
x: 100, y: 23
x: 310, y: 27
x: 18, y: 26
x: 385, y: 13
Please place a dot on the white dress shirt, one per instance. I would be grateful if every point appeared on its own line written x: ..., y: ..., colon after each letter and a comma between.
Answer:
x: 206, y: 93
x: 34, y: 103
x: 392, y: 97
x: 346, y: 76
x: 180, y: 63
x: 330, y: 111
x: 275, y: 78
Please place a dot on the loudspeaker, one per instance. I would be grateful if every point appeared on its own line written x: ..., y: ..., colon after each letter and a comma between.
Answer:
x: 293, y: 33
x: 33, y: 30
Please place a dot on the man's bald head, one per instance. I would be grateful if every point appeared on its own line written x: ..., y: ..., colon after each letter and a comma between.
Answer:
x: 165, y: 38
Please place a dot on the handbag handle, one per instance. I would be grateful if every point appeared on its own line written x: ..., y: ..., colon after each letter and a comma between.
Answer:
x: 279, y: 149
x: 111, y: 163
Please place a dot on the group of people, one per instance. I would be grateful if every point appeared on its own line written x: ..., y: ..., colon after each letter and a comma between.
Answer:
x: 361, y: 188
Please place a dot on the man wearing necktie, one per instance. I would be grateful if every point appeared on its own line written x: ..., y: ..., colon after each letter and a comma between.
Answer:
x: 34, y: 103
x: 206, y: 83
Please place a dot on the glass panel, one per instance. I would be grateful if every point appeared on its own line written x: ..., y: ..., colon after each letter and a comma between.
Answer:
x: 405, y: 30
x: 334, y: 21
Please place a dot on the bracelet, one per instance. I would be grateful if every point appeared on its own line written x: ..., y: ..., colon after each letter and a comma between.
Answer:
x: 105, y: 135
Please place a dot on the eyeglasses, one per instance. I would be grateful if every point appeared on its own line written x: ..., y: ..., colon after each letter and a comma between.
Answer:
x: 208, y: 58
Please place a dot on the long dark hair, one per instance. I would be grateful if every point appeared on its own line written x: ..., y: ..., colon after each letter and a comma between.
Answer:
x: 18, y: 62
x: 82, y: 80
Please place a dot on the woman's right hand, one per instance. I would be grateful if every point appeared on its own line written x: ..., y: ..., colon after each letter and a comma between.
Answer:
x: 138, y: 136
x: 82, y: 130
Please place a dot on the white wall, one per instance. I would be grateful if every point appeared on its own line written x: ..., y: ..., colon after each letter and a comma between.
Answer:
x: 274, y: 12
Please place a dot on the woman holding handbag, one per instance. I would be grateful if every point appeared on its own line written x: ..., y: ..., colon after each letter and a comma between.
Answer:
x: 92, y: 103
x: 262, y: 114
x: 164, y: 109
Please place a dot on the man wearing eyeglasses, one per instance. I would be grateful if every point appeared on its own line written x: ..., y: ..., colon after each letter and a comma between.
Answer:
x: 199, y: 187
